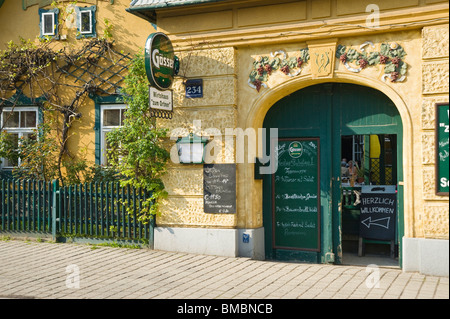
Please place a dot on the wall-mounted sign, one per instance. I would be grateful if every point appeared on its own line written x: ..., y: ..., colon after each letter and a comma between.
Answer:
x: 442, y: 149
x: 194, y: 88
x: 161, y: 102
x: 160, y: 61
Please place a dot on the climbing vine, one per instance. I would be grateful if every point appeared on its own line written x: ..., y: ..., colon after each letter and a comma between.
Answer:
x: 137, y: 151
x: 58, y: 79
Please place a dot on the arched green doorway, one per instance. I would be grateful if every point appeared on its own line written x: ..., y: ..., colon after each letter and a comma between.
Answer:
x: 324, y: 118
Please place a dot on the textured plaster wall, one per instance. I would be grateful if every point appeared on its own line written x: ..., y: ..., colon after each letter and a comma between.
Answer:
x: 433, y: 216
x: 232, y: 103
x: 216, y: 110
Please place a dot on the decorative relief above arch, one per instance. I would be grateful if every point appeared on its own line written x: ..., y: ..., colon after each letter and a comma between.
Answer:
x: 321, y: 57
x: 264, y: 66
x: 390, y: 55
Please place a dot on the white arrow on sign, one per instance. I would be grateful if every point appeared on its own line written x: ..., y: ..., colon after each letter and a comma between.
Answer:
x: 382, y: 222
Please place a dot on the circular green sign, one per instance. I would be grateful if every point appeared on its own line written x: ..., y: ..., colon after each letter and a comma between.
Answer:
x: 160, y: 61
x: 295, y: 149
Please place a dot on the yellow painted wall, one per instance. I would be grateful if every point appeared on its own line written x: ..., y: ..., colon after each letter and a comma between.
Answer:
x: 252, y: 29
x: 219, y: 42
x: 129, y: 33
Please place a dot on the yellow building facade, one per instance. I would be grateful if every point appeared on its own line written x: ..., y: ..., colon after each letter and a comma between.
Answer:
x: 227, y: 44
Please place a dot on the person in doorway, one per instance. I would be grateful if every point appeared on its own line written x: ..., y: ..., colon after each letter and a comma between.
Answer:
x: 344, y: 169
x: 352, y: 172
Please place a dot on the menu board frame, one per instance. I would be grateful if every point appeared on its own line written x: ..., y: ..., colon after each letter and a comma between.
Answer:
x: 438, y: 131
x: 319, y: 211
x: 378, y: 212
x: 216, y: 176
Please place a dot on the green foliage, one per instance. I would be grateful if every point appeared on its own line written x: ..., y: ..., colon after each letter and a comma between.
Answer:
x: 116, y: 245
x: 107, y: 31
x: 41, y: 69
x: 137, y: 153
x: 37, y: 159
x: 36, y: 154
x: 8, y: 148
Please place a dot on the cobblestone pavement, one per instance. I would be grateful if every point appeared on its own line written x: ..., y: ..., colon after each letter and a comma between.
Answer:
x: 49, y: 270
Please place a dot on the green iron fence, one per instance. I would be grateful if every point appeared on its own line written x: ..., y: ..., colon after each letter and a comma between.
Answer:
x: 26, y: 206
x: 102, y: 210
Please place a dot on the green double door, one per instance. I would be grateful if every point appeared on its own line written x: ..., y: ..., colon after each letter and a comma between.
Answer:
x: 301, y: 200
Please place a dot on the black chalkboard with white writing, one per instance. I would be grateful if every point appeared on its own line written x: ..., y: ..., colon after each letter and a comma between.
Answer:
x: 219, y: 188
x: 378, y: 212
x: 296, y: 196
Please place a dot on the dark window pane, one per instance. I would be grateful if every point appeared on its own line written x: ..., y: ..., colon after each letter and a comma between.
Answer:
x: 86, y: 22
x: 11, y: 119
x: 111, y: 118
x: 28, y: 119
x: 48, y: 23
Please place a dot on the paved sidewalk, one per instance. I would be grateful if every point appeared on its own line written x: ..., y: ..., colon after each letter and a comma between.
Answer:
x: 49, y: 270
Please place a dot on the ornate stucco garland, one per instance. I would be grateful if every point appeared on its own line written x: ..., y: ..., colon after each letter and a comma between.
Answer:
x: 390, y: 55
x: 264, y: 66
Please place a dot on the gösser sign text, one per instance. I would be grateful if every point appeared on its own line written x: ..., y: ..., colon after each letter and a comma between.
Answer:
x: 161, y: 64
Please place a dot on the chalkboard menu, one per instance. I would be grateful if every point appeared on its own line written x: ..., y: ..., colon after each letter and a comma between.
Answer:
x: 219, y: 188
x: 378, y: 212
x: 442, y: 149
x: 296, y: 199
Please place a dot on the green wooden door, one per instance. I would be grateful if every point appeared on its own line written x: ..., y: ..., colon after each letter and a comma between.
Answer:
x: 322, y: 114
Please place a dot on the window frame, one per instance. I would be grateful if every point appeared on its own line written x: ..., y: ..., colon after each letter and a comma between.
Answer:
x: 92, y: 22
x: 20, y: 131
x: 43, y: 25
x: 81, y: 21
x: 54, y: 13
x: 104, y: 129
